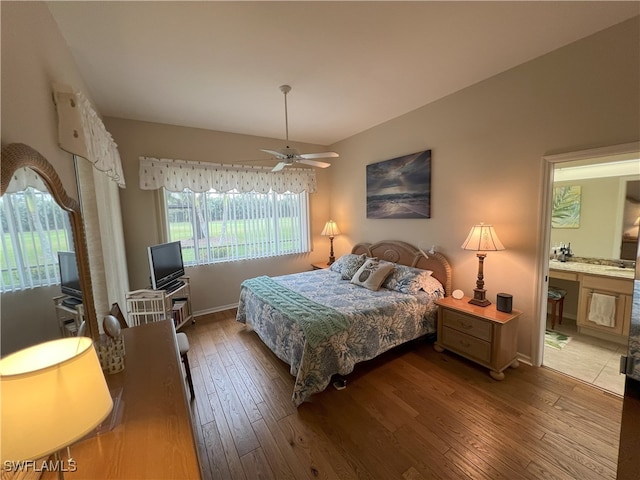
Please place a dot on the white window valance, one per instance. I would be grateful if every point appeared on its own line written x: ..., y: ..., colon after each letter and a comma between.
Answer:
x: 176, y: 175
x: 81, y: 132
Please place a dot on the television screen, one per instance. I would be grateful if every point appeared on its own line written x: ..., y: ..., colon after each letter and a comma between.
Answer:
x: 165, y: 263
x: 69, y: 277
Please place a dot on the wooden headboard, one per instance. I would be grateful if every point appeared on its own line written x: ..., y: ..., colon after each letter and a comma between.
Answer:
x: 406, y: 254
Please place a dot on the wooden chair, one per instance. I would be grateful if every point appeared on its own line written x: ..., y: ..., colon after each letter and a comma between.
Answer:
x: 145, y: 306
x: 555, y: 298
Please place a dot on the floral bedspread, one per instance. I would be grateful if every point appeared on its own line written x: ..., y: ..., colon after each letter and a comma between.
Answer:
x: 379, y: 320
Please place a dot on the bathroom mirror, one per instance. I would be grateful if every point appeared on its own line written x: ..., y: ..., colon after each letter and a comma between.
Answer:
x: 630, y: 221
x: 19, y: 155
x: 604, y: 200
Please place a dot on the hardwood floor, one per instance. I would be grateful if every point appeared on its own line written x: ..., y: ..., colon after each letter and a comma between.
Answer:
x: 410, y: 414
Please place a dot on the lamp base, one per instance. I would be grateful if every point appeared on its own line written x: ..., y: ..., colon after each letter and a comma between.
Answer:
x: 479, y: 298
x: 332, y: 258
x: 480, y: 303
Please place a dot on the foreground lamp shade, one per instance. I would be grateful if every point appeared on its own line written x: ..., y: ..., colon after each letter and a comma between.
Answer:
x: 53, y: 394
x: 482, y: 238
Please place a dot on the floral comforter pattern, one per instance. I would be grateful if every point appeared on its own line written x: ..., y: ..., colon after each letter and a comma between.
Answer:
x: 380, y: 320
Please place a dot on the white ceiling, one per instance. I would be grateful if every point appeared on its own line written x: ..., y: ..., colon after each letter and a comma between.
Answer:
x: 352, y: 65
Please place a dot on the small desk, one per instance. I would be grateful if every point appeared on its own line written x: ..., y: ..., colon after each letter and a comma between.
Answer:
x: 155, y: 438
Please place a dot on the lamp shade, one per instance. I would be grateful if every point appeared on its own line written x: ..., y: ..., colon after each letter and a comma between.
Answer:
x: 52, y: 394
x: 330, y: 229
x: 482, y: 238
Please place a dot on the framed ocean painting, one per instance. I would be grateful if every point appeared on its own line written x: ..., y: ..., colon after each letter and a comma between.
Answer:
x: 400, y: 187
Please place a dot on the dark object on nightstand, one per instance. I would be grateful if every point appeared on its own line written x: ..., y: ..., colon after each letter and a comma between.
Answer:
x: 504, y: 302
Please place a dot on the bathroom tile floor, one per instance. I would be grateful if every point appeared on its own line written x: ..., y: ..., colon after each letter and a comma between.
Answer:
x: 587, y: 358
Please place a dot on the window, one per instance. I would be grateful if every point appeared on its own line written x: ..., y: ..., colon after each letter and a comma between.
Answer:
x: 33, y: 228
x: 220, y: 227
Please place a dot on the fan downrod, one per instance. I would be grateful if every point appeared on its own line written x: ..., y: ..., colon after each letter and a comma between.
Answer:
x: 286, y: 89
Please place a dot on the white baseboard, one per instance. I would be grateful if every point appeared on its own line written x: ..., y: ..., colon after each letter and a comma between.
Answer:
x: 525, y: 359
x: 215, y: 310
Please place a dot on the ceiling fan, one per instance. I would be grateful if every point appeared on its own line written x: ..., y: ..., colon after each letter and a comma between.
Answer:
x: 289, y: 156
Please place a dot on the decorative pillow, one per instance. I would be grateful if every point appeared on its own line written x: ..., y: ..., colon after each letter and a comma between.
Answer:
x: 351, y: 265
x: 372, y: 274
x: 339, y: 263
x: 346, y: 262
x: 405, y: 279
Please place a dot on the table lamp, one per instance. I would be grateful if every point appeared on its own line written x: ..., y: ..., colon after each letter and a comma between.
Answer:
x: 482, y: 238
x: 53, y: 394
x: 330, y: 230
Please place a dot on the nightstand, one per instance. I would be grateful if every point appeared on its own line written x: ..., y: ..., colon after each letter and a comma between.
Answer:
x: 481, y: 334
x: 319, y: 266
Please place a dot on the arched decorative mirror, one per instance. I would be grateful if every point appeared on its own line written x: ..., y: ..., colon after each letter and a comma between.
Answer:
x: 16, y: 156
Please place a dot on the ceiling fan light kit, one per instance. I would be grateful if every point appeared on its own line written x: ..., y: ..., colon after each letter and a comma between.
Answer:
x: 288, y: 155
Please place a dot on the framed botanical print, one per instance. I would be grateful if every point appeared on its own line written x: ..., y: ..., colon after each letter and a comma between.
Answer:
x: 566, y: 207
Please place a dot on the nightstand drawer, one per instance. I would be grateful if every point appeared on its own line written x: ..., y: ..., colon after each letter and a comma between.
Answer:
x: 466, y: 345
x: 467, y: 324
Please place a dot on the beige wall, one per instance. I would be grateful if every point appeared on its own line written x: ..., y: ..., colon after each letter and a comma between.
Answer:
x: 487, y: 142
x: 34, y: 55
x: 217, y: 286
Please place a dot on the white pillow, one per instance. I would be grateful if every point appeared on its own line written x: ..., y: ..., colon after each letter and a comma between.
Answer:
x: 372, y: 274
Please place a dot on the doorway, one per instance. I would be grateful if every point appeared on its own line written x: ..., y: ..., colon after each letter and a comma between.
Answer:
x: 589, y: 226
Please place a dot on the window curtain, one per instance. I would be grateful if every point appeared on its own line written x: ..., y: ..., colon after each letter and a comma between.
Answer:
x: 81, y: 132
x: 176, y: 175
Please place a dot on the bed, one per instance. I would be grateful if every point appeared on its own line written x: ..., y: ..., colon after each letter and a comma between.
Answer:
x: 323, y: 322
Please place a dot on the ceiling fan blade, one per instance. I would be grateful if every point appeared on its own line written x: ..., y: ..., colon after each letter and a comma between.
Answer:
x: 273, y: 152
x: 314, y: 163
x: 279, y: 166
x: 320, y: 155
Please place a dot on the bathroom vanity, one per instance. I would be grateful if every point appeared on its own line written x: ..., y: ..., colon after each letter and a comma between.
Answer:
x: 606, y: 280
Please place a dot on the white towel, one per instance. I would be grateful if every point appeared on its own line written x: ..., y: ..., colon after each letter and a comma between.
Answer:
x: 603, y: 309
